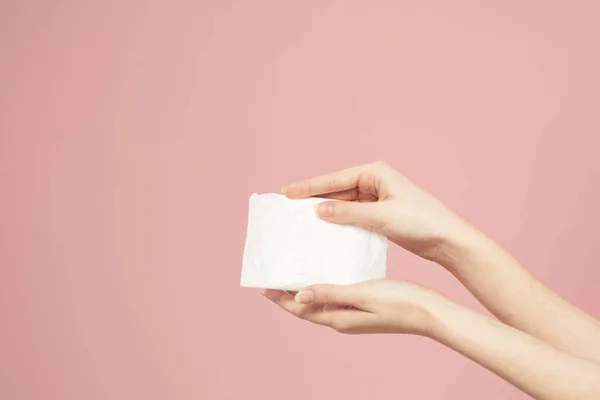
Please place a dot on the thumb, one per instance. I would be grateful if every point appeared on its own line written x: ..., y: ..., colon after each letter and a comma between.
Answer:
x: 351, y: 212
x: 330, y: 295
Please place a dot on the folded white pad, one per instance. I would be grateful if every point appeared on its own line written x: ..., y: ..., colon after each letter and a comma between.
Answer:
x: 289, y: 247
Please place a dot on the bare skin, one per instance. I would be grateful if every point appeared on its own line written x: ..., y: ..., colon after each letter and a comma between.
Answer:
x: 526, y: 347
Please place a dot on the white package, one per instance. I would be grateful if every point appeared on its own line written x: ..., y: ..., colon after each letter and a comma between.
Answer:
x: 289, y: 247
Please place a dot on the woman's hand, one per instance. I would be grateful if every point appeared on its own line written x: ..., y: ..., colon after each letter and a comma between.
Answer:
x: 379, y: 306
x: 549, y: 361
x: 375, y: 196
x: 386, y: 306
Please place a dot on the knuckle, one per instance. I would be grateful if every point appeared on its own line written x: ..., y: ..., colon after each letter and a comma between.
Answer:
x: 324, y: 295
x: 339, y: 326
x: 308, y: 186
x: 378, y: 219
x: 302, y: 312
x: 342, y: 326
x: 329, y: 298
x: 380, y: 164
x: 330, y: 185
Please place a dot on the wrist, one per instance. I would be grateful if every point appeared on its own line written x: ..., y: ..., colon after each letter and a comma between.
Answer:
x: 431, y: 306
x: 440, y: 310
x: 462, y: 248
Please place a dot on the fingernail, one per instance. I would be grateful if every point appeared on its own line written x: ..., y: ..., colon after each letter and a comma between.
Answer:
x: 283, y: 189
x: 304, y: 297
x: 263, y: 291
x: 325, y: 209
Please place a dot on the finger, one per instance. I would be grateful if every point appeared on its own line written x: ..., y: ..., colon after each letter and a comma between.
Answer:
x: 336, y: 297
x: 335, y: 182
x: 350, y: 195
x: 277, y: 292
x: 341, y: 318
x: 346, y: 195
x: 283, y: 300
x: 347, y: 212
x: 328, y: 307
x: 310, y: 312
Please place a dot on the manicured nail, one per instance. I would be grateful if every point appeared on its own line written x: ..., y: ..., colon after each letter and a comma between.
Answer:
x: 304, y: 297
x: 325, y: 209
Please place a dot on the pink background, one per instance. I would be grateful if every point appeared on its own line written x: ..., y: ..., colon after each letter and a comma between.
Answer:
x: 132, y: 133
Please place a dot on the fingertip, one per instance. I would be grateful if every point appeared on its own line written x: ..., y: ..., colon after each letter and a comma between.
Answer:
x: 293, y: 191
x: 304, y: 296
x: 325, y: 209
x: 271, y: 294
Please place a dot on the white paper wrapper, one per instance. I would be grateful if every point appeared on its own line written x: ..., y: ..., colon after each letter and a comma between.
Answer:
x: 289, y: 247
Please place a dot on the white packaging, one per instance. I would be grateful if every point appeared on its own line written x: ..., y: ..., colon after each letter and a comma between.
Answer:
x: 289, y: 247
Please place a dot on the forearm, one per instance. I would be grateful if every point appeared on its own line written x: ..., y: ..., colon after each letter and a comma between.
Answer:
x: 531, y: 365
x: 517, y: 298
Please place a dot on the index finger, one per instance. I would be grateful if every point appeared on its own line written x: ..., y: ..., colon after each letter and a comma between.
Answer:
x: 329, y: 183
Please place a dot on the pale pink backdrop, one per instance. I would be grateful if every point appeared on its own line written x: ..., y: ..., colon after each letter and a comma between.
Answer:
x: 132, y: 133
